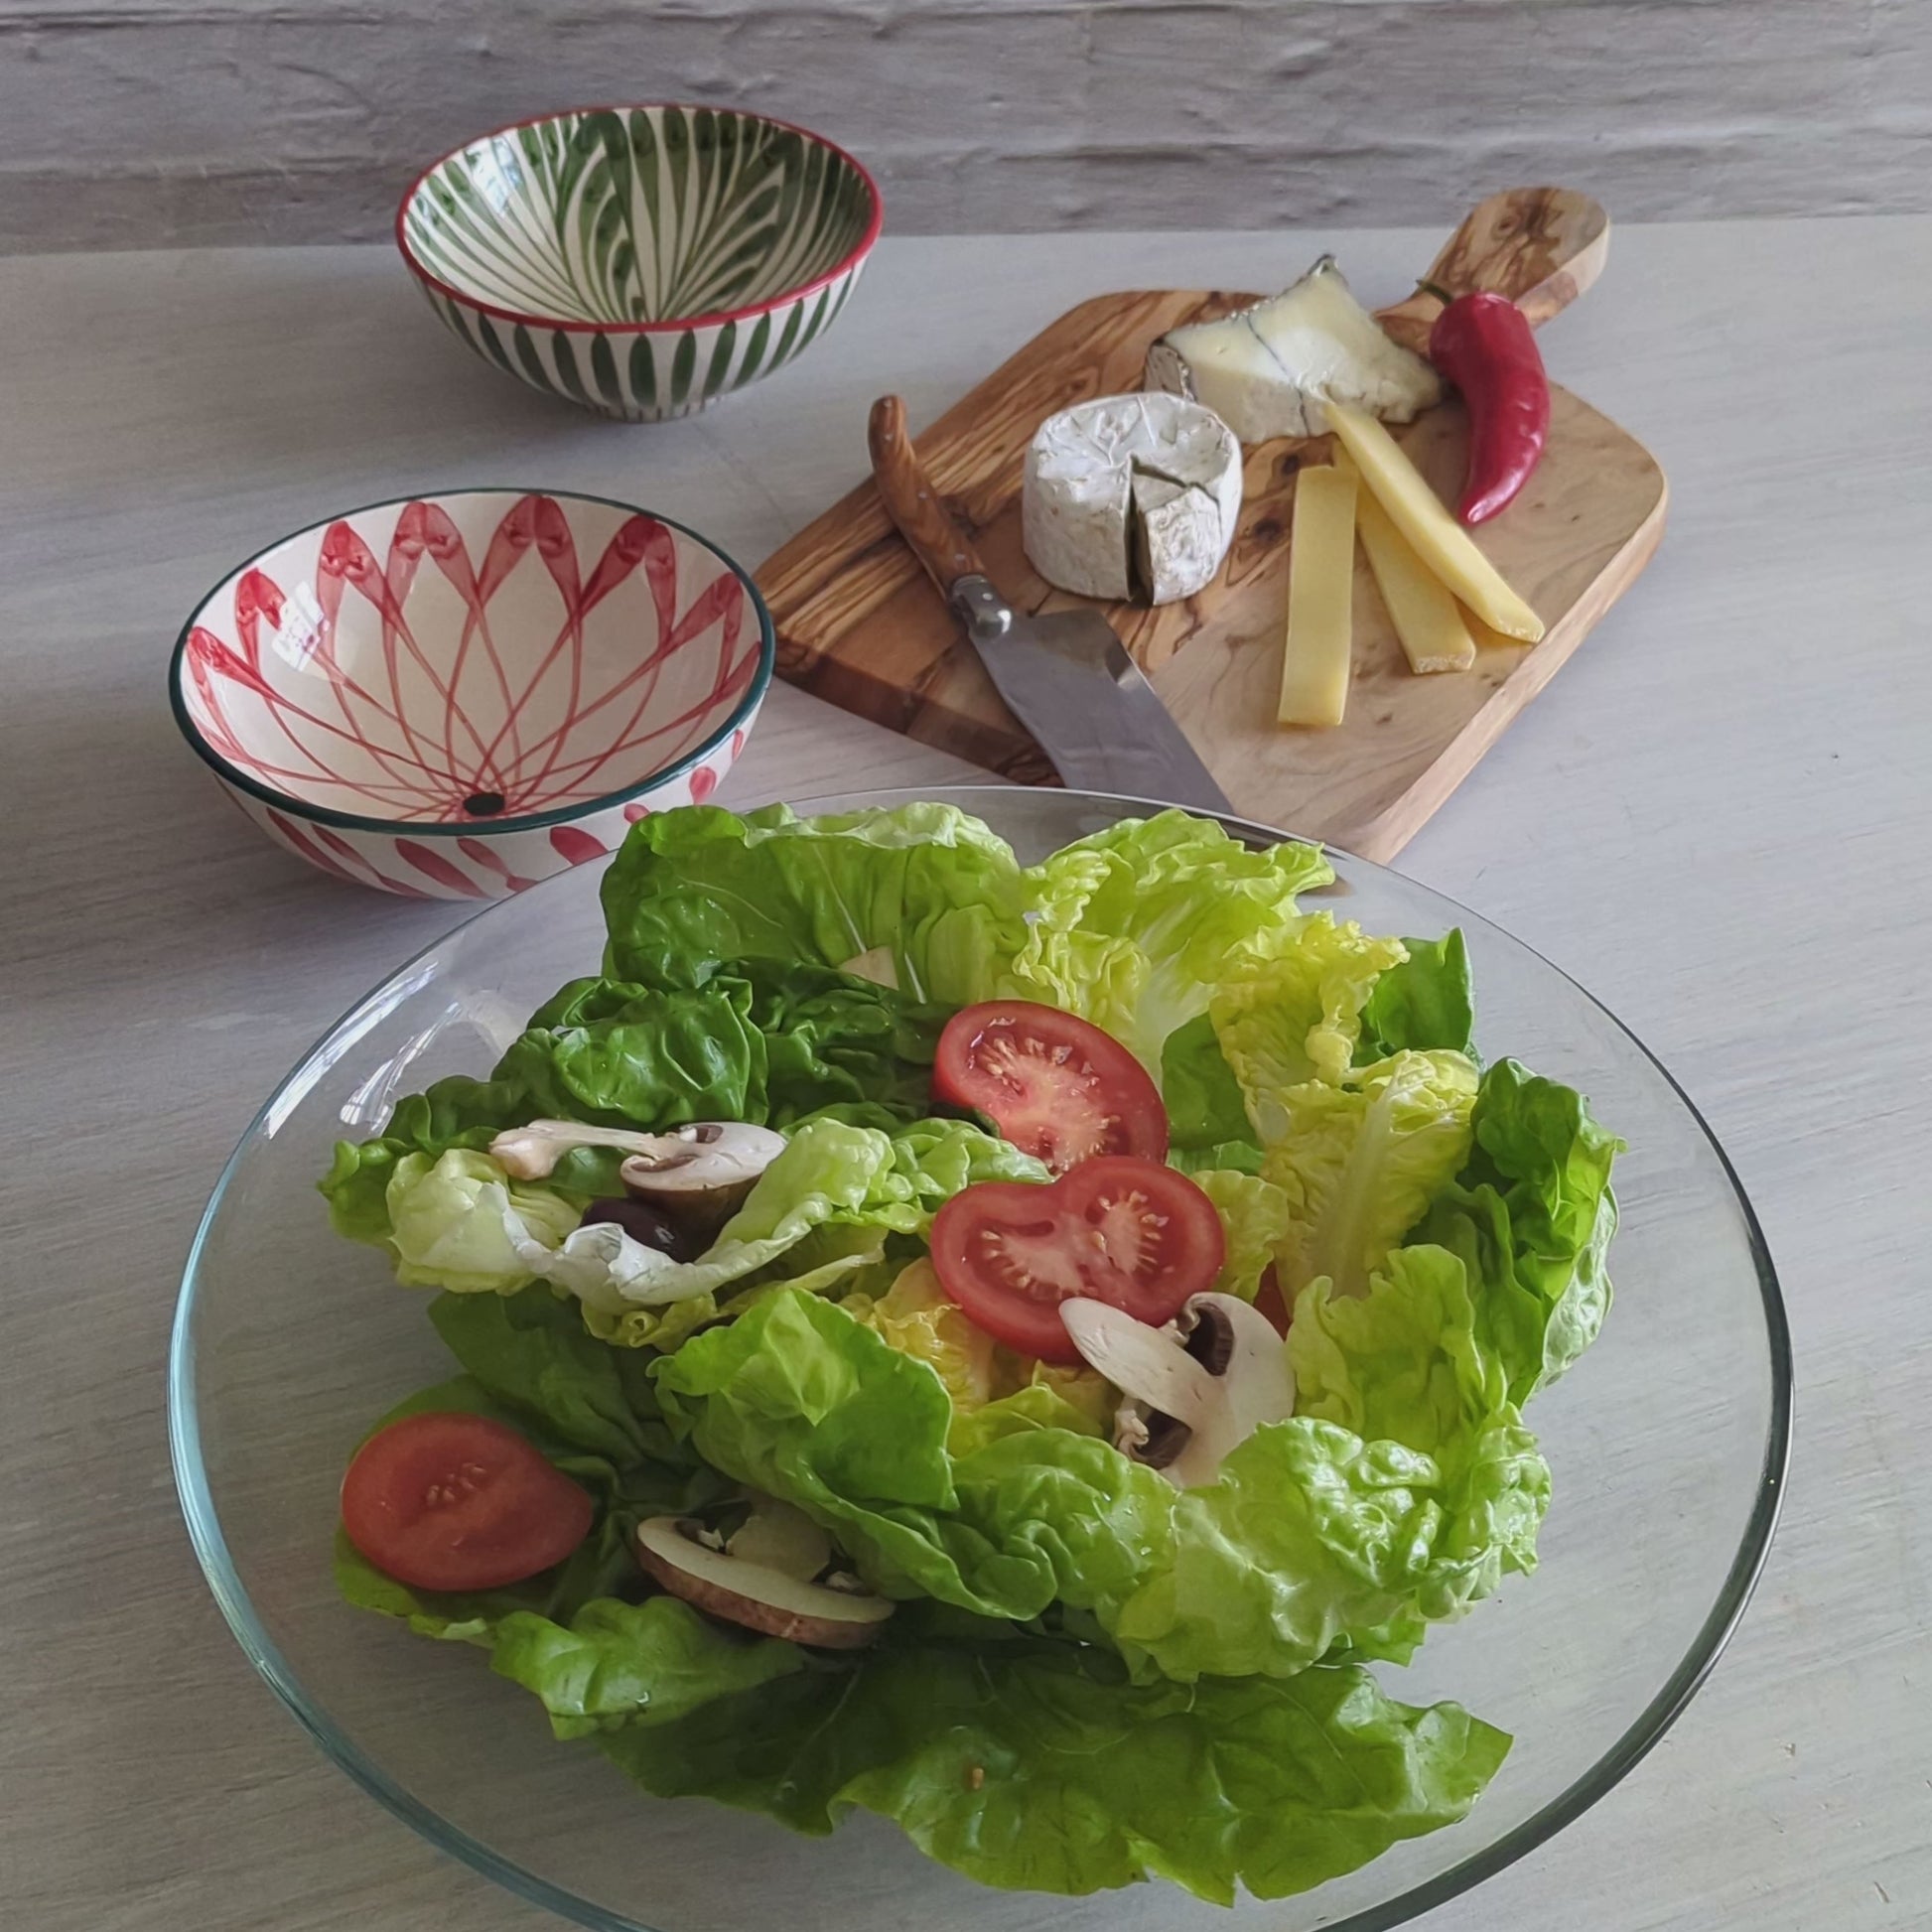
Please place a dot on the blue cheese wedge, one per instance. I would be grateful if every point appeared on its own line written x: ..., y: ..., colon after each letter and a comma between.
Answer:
x: 1130, y: 496
x: 1268, y: 370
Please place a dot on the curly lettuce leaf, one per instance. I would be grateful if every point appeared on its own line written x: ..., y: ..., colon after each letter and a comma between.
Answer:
x: 1362, y: 1161
x: 1081, y: 1403
x: 801, y: 1401
x: 1532, y: 1216
x: 1295, y: 1015
x: 460, y: 1222
x: 1401, y: 1362
x: 917, y: 1316
x: 1134, y: 926
x: 765, y: 1041
x: 920, y: 1320
x: 1312, y: 1535
x: 1311, y: 1538
x: 932, y: 888
x: 1038, y: 1768
x: 1254, y: 1216
x: 618, y: 1664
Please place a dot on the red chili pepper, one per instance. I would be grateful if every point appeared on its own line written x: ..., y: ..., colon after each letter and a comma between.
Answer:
x: 1484, y: 345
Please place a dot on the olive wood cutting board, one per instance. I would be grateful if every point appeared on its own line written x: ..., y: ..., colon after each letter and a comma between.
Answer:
x: 861, y: 625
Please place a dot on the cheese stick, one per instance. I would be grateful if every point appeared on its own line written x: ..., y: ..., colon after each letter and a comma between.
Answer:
x: 1432, y: 533
x: 1321, y: 579
x: 1428, y: 622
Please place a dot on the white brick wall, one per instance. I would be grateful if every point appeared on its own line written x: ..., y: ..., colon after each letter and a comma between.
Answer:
x: 132, y: 124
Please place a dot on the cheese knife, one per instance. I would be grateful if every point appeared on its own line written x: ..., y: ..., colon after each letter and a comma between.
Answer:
x: 1065, y: 674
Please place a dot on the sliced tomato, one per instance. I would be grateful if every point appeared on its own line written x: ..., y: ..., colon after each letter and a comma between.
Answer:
x: 1055, y: 1085
x: 459, y: 1502
x: 1117, y: 1228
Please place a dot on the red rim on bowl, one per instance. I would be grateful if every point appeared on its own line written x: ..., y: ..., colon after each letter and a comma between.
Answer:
x: 847, y: 262
x: 284, y: 801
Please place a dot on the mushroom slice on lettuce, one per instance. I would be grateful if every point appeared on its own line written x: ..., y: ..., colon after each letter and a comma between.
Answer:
x: 699, y: 1174
x: 1194, y: 1389
x: 704, y: 1171
x: 773, y: 1577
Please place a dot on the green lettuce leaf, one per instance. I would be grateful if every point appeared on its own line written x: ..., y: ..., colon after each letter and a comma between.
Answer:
x: 1311, y: 1538
x: 1207, y: 1118
x: 1400, y: 1362
x: 1424, y: 1005
x: 1254, y: 1216
x: 801, y: 1401
x: 1312, y: 1535
x: 933, y: 888
x: 632, y: 1664
x: 765, y: 1041
x: 1360, y: 1162
x: 1038, y: 1768
x: 1133, y: 927
x: 1295, y: 1015
x: 920, y: 1320
x: 1531, y: 1216
x: 460, y: 1222
x: 531, y: 1354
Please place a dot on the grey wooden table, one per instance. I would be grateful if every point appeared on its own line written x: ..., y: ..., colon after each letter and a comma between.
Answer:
x: 1717, y: 817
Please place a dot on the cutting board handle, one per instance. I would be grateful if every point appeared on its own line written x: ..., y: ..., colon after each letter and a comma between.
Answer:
x: 1540, y: 246
x: 913, y: 502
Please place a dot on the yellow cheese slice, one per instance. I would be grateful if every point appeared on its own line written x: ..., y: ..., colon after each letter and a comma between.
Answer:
x: 1321, y: 579
x: 1428, y: 620
x: 1436, y: 536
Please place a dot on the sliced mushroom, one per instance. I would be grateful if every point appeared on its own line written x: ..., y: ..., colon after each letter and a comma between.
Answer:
x: 783, y: 1539
x: 755, y: 1594
x: 531, y: 1152
x: 1194, y: 1389
x: 880, y: 964
x: 702, y: 1173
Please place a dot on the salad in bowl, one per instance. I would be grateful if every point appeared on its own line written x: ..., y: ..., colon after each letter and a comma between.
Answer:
x: 1004, y: 1348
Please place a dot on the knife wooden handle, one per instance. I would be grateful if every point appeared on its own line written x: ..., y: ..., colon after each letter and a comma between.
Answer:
x: 913, y: 502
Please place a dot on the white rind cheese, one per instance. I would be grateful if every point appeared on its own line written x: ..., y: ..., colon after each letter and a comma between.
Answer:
x: 1268, y: 370
x: 1131, y: 495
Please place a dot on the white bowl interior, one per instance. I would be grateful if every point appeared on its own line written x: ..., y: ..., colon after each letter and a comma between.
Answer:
x: 471, y: 657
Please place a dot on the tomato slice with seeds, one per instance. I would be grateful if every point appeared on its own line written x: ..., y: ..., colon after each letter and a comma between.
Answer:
x: 1055, y: 1085
x: 454, y: 1501
x: 1117, y: 1228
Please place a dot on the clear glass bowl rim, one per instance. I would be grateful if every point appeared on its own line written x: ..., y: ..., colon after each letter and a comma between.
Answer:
x: 1656, y: 1717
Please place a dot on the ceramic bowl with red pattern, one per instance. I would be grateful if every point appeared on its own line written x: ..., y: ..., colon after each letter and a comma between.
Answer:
x: 455, y: 696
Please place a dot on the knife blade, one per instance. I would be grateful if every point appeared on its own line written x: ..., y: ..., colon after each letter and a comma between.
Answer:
x: 1065, y: 675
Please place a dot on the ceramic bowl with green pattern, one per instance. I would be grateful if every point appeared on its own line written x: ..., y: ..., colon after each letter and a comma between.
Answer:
x: 641, y: 261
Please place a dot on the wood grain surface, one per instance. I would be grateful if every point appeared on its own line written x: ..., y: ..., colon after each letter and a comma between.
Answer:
x: 1715, y: 818
x: 860, y: 624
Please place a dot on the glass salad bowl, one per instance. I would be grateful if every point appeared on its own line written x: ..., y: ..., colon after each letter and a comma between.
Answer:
x: 1667, y: 1443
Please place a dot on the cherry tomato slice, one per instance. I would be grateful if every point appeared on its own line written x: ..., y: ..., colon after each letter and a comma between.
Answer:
x: 1117, y: 1228
x: 1055, y: 1085
x: 459, y: 1502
